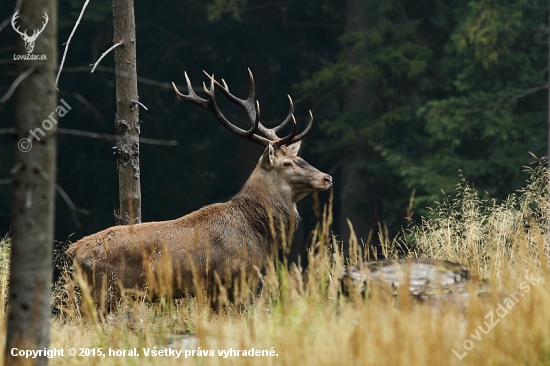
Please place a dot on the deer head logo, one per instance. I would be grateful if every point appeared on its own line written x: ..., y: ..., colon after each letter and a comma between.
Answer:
x: 29, y: 41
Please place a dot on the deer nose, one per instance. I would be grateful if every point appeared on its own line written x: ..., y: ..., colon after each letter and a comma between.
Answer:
x: 328, y: 180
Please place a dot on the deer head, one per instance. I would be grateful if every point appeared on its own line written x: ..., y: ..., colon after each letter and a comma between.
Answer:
x: 29, y: 40
x: 280, y: 165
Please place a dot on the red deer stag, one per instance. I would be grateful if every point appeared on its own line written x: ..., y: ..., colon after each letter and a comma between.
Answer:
x: 219, y: 245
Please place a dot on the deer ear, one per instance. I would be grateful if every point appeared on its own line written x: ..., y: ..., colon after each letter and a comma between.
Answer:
x: 268, y: 157
x: 294, y: 148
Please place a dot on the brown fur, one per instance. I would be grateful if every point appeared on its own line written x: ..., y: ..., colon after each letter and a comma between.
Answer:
x: 218, y: 244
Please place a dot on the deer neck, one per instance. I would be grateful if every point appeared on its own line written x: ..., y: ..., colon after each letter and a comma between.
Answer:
x: 264, y: 191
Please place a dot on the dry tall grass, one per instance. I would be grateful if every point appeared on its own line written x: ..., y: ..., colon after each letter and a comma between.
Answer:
x: 304, y: 321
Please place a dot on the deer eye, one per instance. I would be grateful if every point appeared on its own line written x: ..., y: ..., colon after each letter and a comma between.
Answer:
x: 287, y: 164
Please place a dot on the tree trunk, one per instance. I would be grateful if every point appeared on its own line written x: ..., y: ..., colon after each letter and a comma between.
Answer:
x: 548, y: 126
x: 357, y: 201
x: 127, y: 117
x: 33, y: 200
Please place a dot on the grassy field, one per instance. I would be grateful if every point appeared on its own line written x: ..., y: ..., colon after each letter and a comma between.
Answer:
x: 302, y: 320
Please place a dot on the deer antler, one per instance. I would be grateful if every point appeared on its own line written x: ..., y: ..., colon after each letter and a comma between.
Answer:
x: 252, y: 108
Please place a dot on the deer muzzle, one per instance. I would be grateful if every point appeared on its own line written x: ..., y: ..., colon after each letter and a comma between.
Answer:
x: 327, y: 179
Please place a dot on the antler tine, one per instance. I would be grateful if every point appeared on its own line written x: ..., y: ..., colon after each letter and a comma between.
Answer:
x: 249, y: 105
x: 252, y: 107
x: 210, y: 92
x: 252, y: 91
x: 288, y: 139
x: 288, y: 117
x: 210, y: 104
x: 257, y: 113
x: 248, y: 134
x: 192, y: 96
x: 306, y: 131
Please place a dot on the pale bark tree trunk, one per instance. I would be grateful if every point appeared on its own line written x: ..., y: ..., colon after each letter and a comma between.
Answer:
x: 28, y: 320
x: 548, y: 132
x: 127, y: 118
x: 357, y: 202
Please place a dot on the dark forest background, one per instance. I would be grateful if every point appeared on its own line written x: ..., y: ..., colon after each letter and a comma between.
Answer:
x: 407, y: 97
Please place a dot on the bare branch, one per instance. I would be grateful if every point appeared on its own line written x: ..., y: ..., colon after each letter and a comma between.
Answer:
x: 100, y: 136
x: 140, y: 79
x: 65, y: 197
x: 529, y: 91
x: 16, y: 82
x: 105, y: 54
x: 145, y: 140
x: 88, y: 105
x: 7, y: 48
x: 6, y: 181
x: 7, y: 21
x: 136, y: 103
x: 68, y: 42
x: 104, y: 136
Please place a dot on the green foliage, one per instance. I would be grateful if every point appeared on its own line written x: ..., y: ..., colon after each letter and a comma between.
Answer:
x: 218, y: 7
x: 446, y: 83
x: 393, y: 57
x: 489, y: 28
x: 172, y: 37
x: 479, y: 126
x: 445, y: 86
